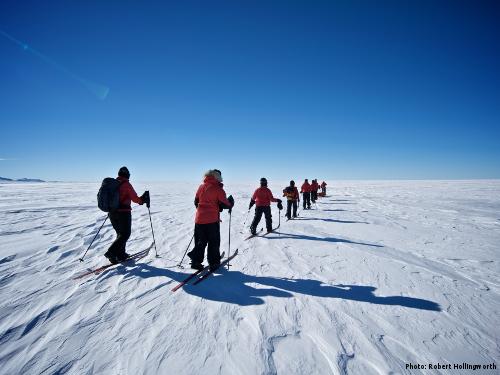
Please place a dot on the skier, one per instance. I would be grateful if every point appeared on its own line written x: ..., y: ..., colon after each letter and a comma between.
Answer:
x: 323, y: 188
x: 121, y: 219
x: 305, y: 189
x: 262, y: 198
x: 314, y: 190
x: 292, y: 197
x: 210, y: 200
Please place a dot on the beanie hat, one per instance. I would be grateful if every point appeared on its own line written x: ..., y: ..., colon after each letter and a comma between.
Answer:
x: 123, y: 172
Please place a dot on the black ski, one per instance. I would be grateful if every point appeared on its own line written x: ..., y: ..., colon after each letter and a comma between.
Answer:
x: 212, y: 271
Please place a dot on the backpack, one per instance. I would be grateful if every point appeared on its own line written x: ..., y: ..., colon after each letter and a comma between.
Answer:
x: 289, y: 193
x: 108, y: 197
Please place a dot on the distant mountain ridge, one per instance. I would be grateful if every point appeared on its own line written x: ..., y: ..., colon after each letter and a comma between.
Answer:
x: 5, y: 179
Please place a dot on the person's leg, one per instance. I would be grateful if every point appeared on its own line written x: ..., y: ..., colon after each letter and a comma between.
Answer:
x: 294, y: 208
x: 308, y: 199
x: 213, y: 250
x: 304, y: 200
x: 125, y: 231
x: 121, y: 222
x: 201, y: 239
x: 269, y: 218
x: 256, y: 220
x: 289, y: 209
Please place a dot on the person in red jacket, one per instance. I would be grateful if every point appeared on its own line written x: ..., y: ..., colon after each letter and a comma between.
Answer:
x: 262, y: 198
x: 210, y: 200
x: 323, y: 188
x: 314, y: 191
x: 121, y: 219
x: 292, y: 197
x: 306, y: 194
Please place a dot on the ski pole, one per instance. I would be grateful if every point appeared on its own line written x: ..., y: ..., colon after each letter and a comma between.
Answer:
x: 229, y: 250
x: 81, y: 259
x: 187, y: 248
x: 148, y: 204
x: 152, y: 231
x: 279, y: 222
x: 246, y: 217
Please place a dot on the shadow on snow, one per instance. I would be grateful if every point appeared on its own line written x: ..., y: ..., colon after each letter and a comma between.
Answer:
x: 332, y: 220
x: 236, y: 287
x: 283, y: 235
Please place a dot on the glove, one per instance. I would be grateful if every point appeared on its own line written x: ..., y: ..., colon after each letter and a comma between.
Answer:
x: 145, y: 198
x: 231, y: 200
x: 252, y: 202
x: 280, y: 206
x: 279, y: 200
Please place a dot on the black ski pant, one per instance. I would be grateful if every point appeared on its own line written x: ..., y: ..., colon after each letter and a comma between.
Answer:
x: 314, y: 196
x: 306, y: 200
x: 259, y: 210
x: 206, y: 234
x: 289, y: 204
x: 122, y: 224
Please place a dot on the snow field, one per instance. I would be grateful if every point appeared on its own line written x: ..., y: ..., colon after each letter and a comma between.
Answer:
x: 377, y: 275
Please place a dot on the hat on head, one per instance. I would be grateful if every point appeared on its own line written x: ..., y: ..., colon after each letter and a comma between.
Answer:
x: 263, y: 181
x: 123, y: 172
x: 215, y: 173
x: 292, y: 183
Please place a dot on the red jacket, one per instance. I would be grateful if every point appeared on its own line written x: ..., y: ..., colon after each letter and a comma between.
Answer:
x: 305, y: 188
x: 127, y: 195
x: 314, y: 186
x: 263, y: 197
x: 207, y: 200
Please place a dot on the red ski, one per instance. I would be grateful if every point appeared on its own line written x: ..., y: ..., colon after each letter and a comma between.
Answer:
x: 204, y: 277
x: 190, y: 277
x: 138, y: 255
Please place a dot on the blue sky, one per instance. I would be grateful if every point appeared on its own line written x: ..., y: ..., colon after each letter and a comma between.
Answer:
x: 282, y: 89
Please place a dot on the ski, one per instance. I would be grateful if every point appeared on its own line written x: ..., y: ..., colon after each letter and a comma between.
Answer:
x: 222, y: 264
x: 274, y: 230
x: 254, y: 235
x: 138, y: 255
x: 191, y: 276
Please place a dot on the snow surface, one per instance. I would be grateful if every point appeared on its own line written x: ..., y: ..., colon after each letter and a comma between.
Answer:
x: 377, y: 275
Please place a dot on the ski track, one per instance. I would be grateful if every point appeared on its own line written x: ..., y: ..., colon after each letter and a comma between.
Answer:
x: 376, y: 275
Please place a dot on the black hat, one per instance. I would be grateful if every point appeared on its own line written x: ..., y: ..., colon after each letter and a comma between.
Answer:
x: 292, y: 183
x: 123, y: 172
x: 263, y: 181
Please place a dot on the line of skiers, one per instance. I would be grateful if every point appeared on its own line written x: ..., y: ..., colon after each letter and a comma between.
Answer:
x: 210, y: 200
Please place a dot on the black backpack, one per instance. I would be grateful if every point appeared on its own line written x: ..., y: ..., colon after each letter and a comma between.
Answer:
x: 108, y: 197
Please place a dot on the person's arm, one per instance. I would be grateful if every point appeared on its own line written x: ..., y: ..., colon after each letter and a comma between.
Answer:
x: 197, y: 198
x: 132, y: 194
x: 272, y: 199
x: 224, y: 201
x: 252, y: 200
